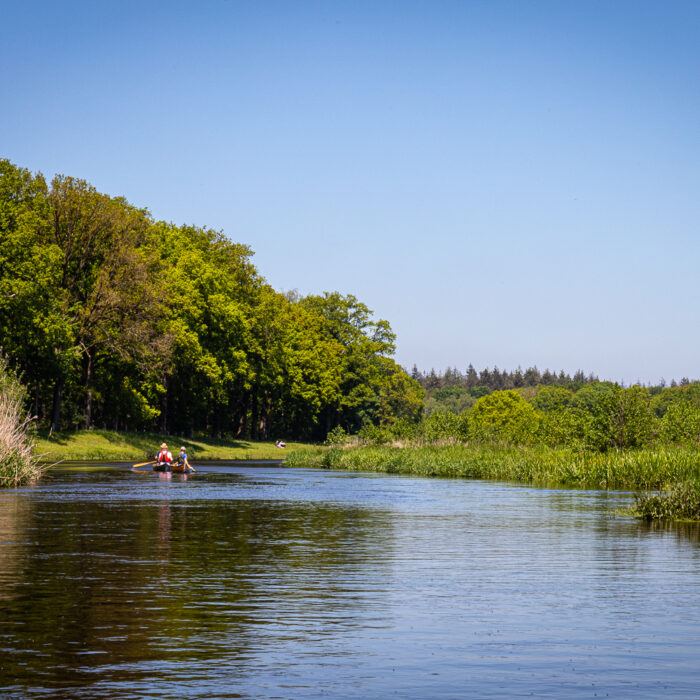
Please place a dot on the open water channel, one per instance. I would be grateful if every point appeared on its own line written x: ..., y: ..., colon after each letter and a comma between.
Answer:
x: 246, y: 581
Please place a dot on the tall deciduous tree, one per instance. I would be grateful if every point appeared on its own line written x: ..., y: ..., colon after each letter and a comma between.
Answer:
x: 107, y: 284
x: 365, y: 343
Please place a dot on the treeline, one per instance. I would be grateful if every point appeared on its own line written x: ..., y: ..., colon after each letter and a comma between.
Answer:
x: 455, y: 391
x: 498, y: 380
x: 597, y: 417
x: 116, y: 320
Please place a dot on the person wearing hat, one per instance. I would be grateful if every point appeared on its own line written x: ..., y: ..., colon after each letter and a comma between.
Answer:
x: 182, y: 460
x: 164, y: 458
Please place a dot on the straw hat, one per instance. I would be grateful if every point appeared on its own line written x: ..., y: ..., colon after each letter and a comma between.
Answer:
x: 163, y: 447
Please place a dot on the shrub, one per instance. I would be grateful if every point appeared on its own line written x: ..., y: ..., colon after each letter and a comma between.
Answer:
x: 371, y: 434
x: 337, y: 436
x: 445, y: 425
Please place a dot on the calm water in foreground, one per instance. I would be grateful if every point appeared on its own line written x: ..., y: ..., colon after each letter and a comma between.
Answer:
x: 265, y: 582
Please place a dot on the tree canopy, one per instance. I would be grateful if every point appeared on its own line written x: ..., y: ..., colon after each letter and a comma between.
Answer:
x: 117, y: 320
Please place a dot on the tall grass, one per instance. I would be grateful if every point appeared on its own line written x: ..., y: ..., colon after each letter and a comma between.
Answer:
x: 643, y: 469
x: 17, y: 462
x: 682, y: 502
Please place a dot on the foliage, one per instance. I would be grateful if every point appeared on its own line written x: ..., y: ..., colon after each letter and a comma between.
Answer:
x: 400, y: 397
x: 337, y: 436
x: 117, y: 320
x: 445, y: 426
x: 553, y: 398
x: 681, y: 423
x: 503, y: 416
x: 364, y: 372
x: 563, y: 426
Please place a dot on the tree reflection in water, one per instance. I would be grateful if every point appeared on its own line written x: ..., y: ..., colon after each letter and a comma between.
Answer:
x: 97, y: 588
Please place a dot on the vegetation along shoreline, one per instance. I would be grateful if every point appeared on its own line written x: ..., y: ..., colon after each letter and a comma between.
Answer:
x: 664, y: 478
x: 118, y: 331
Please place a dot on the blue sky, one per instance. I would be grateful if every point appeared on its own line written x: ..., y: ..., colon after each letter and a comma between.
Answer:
x: 505, y: 182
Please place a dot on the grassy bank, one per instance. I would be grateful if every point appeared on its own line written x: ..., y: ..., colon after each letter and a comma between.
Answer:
x: 644, y: 469
x: 107, y: 445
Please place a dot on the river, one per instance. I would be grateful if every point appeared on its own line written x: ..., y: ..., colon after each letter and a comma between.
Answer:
x: 245, y: 581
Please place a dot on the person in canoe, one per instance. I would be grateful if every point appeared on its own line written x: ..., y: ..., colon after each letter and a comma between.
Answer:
x: 164, y: 459
x: 183, y: 462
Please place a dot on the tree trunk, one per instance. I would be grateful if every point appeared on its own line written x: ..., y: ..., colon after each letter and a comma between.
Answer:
x: 164, y: 408
x: 254, y: 413
x: 35, y: 411
x: 242, y: 421
x: 57, y: 402
x: 215, y: 421
x: 89, y: 375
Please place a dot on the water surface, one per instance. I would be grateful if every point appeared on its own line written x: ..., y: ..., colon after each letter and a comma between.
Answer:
x: 266, y: 582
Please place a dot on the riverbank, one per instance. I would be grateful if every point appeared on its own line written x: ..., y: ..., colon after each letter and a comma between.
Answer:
x: 109, y: 445
x: 643, y: 469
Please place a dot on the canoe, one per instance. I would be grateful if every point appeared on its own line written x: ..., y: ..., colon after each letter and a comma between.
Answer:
x: 175, y: 469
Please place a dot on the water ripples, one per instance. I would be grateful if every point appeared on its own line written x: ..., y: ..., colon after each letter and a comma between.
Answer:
x: 268, y: 583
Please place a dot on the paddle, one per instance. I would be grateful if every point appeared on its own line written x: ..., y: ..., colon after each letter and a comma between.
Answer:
x: 143, y: 464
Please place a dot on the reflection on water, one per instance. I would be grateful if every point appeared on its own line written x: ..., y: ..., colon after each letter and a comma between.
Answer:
x: 267, y: 582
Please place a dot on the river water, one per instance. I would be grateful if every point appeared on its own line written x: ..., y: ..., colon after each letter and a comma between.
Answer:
x: 249, y: 581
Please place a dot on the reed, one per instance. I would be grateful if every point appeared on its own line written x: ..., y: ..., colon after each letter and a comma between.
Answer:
x: 17, y: 462
x: 682, y: 502
x: 644, y: 469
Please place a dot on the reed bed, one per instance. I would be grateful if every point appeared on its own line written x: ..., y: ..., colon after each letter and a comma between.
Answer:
x: 682, y: 502
x: 643, y: 469
x: 17, y: 462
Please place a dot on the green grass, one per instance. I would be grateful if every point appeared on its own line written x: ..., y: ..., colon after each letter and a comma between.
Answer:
x: 107, y: 445
x: 653, y: 468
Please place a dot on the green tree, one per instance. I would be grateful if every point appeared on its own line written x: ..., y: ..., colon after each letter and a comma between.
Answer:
x: 106, y: 287
x: 366, y: 343
x: 213, y: 289
x: 400, y: 397
x: 615, y: 417
x: 33, y: 330
x: 504, y: 416
x: 681, y: 423
x: 552, y: 398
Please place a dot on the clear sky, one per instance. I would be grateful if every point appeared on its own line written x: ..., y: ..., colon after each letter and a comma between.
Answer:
x: 506, y: 182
